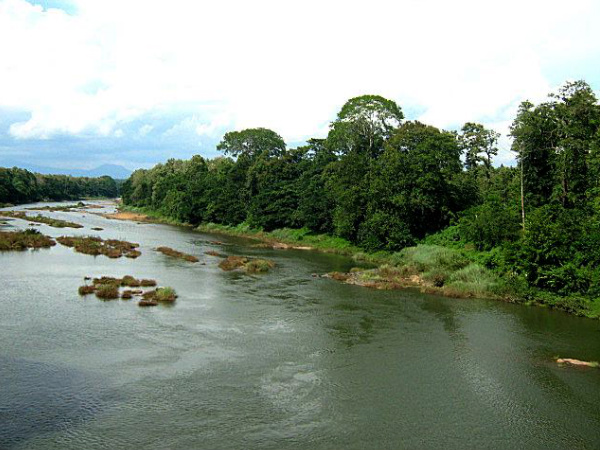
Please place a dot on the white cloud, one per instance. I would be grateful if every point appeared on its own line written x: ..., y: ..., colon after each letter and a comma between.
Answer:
x: 288, y: 66
x: 145, y: 129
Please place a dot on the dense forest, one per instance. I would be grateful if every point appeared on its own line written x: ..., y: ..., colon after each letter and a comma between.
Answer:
x: 385, y: 183
x: 21, y: 186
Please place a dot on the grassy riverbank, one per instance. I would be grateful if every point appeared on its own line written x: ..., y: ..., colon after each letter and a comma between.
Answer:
x: 435, y: 269
x: 458, y: 272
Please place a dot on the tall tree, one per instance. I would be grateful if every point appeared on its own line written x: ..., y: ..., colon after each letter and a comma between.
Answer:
x: 578, y: 120
x: 358, y: 135
x: 251, y: 143
x: 534, y: 140
x: 479, y: 146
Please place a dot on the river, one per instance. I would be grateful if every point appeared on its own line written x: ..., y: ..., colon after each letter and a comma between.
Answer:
x: 282, y: 360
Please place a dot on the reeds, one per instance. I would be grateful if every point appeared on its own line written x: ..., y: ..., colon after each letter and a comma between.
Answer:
x: 177, y: 254
x: 107, y: 288
x: 22, y: 240
x: 248, y: 265
x: 56, y: 223
x: 93, y: 245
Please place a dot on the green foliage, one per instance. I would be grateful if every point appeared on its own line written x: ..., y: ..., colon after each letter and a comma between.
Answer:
x: 476, y: 280
x: 415, y: 182
x: 380, y: 184
x: 490, y: 224
x: 251, y: 143
x: 479, y: 146
x: 21, y: 186
x: 424, y: 258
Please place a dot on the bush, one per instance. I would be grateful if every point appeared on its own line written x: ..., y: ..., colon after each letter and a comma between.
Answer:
x: 490, y: 225
x: 384, y: 232
x: 107, y: 291
x: 473, y: 280
x: 259, y: 266
x: 165, y: 294
x: 424, y: 258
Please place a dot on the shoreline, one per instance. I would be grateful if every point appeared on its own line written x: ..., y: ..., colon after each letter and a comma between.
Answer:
x: 392, y: 272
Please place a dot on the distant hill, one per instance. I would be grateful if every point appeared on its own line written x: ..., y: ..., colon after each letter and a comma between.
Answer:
x: 112, y: 170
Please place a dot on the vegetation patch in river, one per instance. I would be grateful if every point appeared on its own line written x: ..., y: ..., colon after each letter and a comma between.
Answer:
x: 65, y: 208
x: 93, y: 245
x: 56, y: 223
x: 162, y: 294
x: 22, y: 240
x: 177, y: 254
x: 108, y: 288
x: 246, y: 264
x: 107, y: 291
x: 86, y: 289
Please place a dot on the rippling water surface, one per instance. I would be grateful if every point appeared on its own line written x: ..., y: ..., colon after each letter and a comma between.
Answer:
x: 275, y: 361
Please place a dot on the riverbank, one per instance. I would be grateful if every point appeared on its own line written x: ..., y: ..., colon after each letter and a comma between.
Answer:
x: 144, y: 215
x: 433, y: 269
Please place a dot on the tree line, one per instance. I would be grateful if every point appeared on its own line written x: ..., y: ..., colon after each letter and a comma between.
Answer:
x: 19, y: 186
x: 385, y: 183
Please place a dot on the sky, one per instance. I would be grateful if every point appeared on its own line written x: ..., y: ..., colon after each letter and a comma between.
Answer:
x: 128, y: 82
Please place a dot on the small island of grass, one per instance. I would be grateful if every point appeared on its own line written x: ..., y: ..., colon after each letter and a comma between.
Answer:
x: 177, y: 254
x: 248, y: 265
x: 56, y: 223
x: 22, y: 240
x: 92, y: 245
x: 108, y: 288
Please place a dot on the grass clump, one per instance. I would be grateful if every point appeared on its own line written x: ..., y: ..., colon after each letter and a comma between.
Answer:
x: 107, y: 280
x: 107, y: 291
x: 425, y: 258
x: 63, y: 208
x: 159, y: 295
x: 93, y: 245
x: 56, y: 223
x: 130, y: 281
x: 259, y: 266
x: 108, y: 288
x: 233, y: 262
x: 177, y: 254
x: 165, y: 295
x: 22, y: 240
x: 255, y: 265
x: 86, y: 289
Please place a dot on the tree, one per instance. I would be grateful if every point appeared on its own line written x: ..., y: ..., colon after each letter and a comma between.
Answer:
x: 534, y: 140
x: 251, y: 143
x: 358, y: 135
x: 578, y: 120
x: 415, y: 184
x: 479, y: 146
x: 364, y: 123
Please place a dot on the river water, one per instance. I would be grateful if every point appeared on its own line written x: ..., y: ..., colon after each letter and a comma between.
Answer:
x: 276, y: 361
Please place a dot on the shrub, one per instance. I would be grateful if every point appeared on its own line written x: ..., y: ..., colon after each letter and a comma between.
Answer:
x: 130, y: 281
x: 165, y: 294
x: 87, y: 289
x: 107, y: 291
x: 259, y: 266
